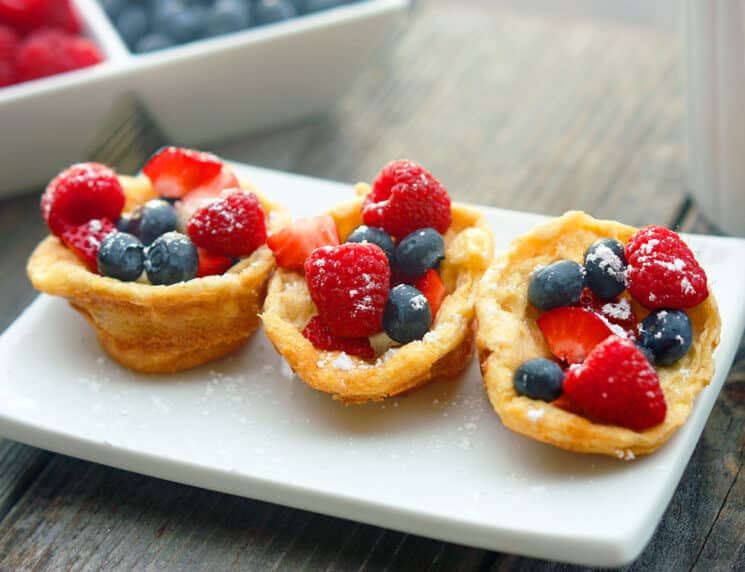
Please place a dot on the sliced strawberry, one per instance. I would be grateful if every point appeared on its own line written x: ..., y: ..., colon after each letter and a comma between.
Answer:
x: 210, y: 190
x: 85, y: 240
x: 433, y: 289
x: 572, y: 332
x: 174, y: 171
x: 617, y: 311
x: 294, y: 243
x: 211, y: 263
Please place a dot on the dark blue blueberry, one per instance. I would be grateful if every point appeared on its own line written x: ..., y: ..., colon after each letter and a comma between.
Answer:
x: 407, y: 315
x: 306, y: 6
x: 648, y: 353
x: 558, y: 284
x: 668, y: 333
x: 132, y: 24
x: 377, y: 236
x: 605, y: 268
x: 419, y: 251
x: 121, y: 256
x: 154, y: 218
x: 539, y: 378
x: 123, y: 222
x: 113, y: 7
x: 171, y: 258
x: 269, y: 11
x: 153, y: 42
x: 183, y: 25
x: 227, y: 16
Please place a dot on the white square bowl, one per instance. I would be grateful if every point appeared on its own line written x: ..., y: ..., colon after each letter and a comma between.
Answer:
x: 200, y: 92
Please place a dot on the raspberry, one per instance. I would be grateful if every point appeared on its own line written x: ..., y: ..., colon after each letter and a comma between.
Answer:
x: 85, y: 240
x: 349, y: 284
x: 232, y: 225
x: 27, y: 15
x: 48, y: 52
x: 616, y: 385
x: 662, y: 271
x: 406, y: 197
x: 8, y: 44
x: 80, y: 193
x: 322, y: 338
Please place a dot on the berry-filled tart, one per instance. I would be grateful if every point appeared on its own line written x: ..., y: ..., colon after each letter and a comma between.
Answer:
x: 170, y: 268
x: 376, y: 297
x: 595, y: 336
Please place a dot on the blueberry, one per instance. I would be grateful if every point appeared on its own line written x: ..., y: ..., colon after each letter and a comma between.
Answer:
x: 306, y: 6
x: 668, y: 333
x: 407, y: 315
x: 132, y: 24
x: 153, y: 42
x: 539, y: 378
x: 269, y: 11
x: 121, y: 256
x: 647, y: 353
x: 419, y: 251
x: 171, y: 258
x: 156, y: 217
x: 374, y: 235
x: 605, y: 268
x: 227, y: 16
x: 113, y: 7
x: 183, y: 25
x: 123, y: 222
x: 558, y: 284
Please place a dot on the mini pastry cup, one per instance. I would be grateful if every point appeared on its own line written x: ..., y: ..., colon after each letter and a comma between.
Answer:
x: 508, y: 336
x: 443, y: 352
x: 161, y: 329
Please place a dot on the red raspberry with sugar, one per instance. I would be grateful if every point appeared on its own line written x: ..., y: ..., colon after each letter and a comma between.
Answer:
x: 406, y: 197
x: 321, y: 337
x: 85, y: 240
x: 349, y: 285
x: 232, y: 225
x: 663, y: 271
x: 616, y: 385
x: 80, y: 193
x: 9, y: 41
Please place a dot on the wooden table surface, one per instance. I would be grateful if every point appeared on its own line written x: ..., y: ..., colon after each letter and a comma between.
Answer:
x: 510, y: 109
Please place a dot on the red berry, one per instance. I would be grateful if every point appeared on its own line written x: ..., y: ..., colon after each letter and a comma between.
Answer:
x: 617, y: 385
x: 85, y: 240
x: 663, y: 271
x: 406, y: 197
x: 174, y: 171
x: 211, y: 264
x: 349, y: 285
x: 571, y: 333
x: 210, y: 190
x: 431, y: 286
x: 81, y: 193
x: 8, y: 45
x: 28, y: 15
x: 322, y: 338
x: 48, y: 52
x: 294, y: 243
x: 617, y: 311
x: 232, y: 225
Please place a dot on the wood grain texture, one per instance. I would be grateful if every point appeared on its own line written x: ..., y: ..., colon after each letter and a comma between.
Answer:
x: 513, y: 110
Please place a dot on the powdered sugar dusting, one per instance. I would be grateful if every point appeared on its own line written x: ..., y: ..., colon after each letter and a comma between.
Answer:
x: 343, y: 362
x: 607, y: 260
x: 620, y: 310
x: 535, y: 414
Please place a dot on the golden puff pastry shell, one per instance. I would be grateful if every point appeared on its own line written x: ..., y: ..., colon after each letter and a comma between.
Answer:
x: 161, y: 329
x: 443, y: 352
x: 508, y: 336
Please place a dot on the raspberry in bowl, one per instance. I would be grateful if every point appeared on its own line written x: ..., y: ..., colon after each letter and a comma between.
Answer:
x: 149, y: 262
x: 376, y: 297
x: 596, y: 337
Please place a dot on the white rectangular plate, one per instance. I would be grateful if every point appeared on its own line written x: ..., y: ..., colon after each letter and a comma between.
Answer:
x: 437, y: 462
